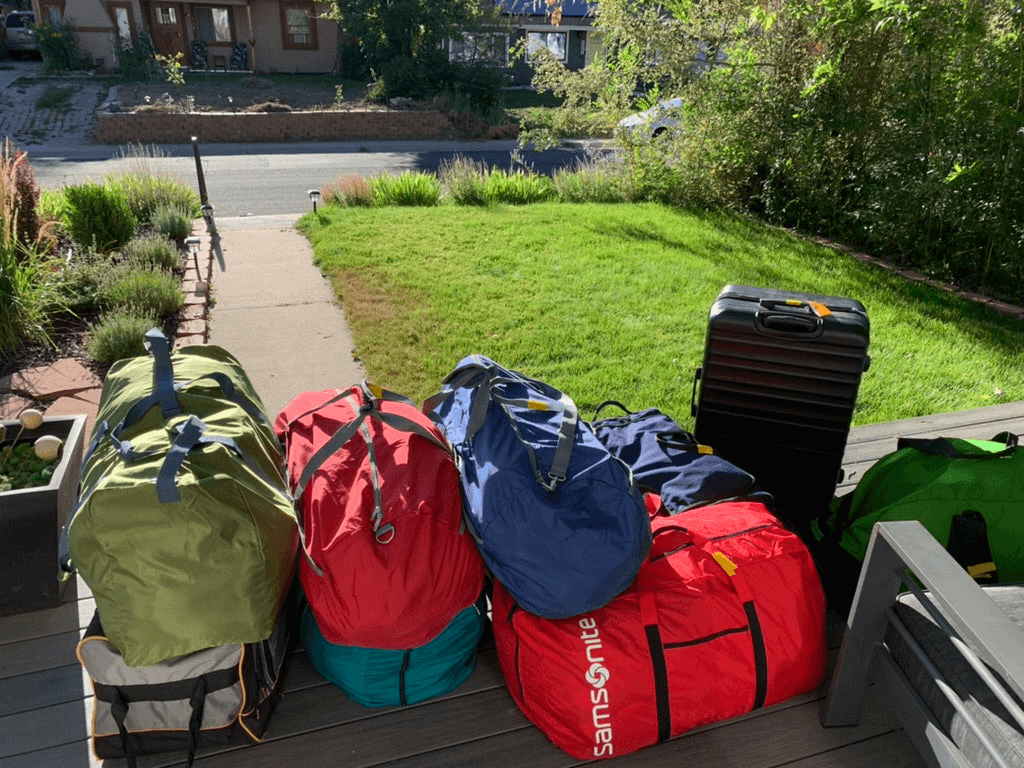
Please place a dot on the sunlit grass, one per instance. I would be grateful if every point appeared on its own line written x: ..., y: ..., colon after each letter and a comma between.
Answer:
x: 612, y: 301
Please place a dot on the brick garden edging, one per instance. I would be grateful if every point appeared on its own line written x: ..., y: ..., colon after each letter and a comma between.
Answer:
x: 194, y: 318
x: 179, y: 128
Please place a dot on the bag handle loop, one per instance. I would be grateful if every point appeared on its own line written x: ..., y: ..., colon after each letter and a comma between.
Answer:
x: 480, y: 376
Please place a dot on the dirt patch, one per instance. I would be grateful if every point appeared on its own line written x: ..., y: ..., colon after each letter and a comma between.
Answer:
x: 239, y: 93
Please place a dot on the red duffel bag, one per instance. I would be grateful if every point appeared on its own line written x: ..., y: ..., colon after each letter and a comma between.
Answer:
x: 726, y: 615
x: 387, y: 562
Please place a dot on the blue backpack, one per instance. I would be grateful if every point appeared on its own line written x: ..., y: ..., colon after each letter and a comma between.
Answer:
x: 669, y: 461
x: 559, y: 521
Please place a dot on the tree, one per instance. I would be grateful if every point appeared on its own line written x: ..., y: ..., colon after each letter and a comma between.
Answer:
x: 389, y: 30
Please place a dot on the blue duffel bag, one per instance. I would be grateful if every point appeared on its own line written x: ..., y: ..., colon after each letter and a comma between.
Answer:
x: 668, y: 460
x: 559, y: 521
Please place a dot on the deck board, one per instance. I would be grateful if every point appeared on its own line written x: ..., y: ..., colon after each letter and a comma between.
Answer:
x: 46, y: 703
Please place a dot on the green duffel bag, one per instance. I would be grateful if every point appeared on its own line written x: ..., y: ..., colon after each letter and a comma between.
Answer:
x: 204, y: 381
x: 969, y: 494
x: 184, y: 529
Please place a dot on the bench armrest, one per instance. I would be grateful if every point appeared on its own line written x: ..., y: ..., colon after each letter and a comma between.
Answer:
x: 975, y: 617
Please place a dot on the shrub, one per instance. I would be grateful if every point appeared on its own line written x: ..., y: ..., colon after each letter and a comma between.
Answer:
x: 518, y: 187
x: 82, y: 280
x: 99, y: 216
x: 155, y: 294
x: 408, y: 188
x: 600, y: 182
x: 351, y: 190
x: 173, y: 221
x: 26, y: 298
x: 146, y: 186
x: 135, y: 62
x: 478, y: 88
x: 19, y: 197
x: 57, y: 47
x: 53, y: 207
x: 119, y: 334
x: 156, y: 252
x: 464, y: 182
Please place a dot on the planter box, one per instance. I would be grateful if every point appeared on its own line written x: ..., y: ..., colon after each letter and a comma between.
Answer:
x: 31, y: 520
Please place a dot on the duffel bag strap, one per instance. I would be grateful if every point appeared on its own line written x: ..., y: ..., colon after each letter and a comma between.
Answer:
x: 481, y: 374
x: 737, y: 580
x: 372, y: 396
x: 163, y: 372
x: 943, y: 446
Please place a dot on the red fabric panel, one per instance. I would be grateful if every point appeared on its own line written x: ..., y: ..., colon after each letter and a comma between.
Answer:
x: 395, y: 595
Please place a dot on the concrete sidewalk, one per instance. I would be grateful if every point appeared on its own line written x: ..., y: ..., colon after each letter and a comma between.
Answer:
x: 274, y: 311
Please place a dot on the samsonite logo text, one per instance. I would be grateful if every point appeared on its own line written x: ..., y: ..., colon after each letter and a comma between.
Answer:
x: 597, y: 676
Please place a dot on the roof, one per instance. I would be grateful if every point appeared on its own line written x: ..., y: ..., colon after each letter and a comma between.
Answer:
x: 570, y: 8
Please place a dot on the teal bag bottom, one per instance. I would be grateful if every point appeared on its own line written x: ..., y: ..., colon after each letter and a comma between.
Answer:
x: 376, y: 677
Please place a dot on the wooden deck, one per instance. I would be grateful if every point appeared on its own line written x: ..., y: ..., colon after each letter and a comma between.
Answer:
x: 46, y: 703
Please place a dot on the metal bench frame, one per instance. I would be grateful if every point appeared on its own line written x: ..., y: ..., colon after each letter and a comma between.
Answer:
x: 985, y: 631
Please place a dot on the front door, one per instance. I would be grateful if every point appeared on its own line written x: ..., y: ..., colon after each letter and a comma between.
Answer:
x: 168, y: 29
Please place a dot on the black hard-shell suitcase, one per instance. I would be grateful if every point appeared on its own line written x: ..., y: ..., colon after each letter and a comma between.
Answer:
x: 777, y: 389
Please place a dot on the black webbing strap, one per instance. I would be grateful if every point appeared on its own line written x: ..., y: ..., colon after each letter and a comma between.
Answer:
x: 119, y: 710
x: 195, y: 723
x: 660, y: 668
x: 760, y: 655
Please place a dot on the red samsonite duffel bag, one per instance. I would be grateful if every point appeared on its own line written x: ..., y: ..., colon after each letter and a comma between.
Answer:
x: 726, y: 615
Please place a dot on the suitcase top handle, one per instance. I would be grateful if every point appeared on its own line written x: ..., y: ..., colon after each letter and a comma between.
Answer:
x: 791, y: 317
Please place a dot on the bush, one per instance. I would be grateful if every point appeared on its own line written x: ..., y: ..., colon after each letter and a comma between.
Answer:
x: 26, y: 298
x: 119, y: 334
x: 408, y: 188
x: 154, y: 253
x: 601, y: 182
x: 351, y: 190
x: 57, y: 47
x: 136, y: 62
x: 173, y: 221
x: 477, y: 88
x: 146, y: 187
x: 155, y: 294
x: 518, y: 187
x: 464, y: 182
x: 406, y: 77
x: 82, y: 281
x: 19, y: 197
x: 99, y: 216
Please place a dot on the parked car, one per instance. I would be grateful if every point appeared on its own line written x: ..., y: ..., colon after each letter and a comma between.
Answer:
x: 18, y: 33
x: 651, y: 123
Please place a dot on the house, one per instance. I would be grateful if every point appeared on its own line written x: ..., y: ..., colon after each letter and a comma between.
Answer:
x: 253, y: 35
x: 565, y: 29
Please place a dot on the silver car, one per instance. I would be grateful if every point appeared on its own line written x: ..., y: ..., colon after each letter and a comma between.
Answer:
x: 18, y: 32
x: 651, y: 123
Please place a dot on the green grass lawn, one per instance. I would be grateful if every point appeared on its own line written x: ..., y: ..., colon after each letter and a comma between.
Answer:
x: 611, y: 302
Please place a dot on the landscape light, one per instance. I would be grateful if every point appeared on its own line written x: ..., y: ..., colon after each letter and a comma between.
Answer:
x: 314, y: 195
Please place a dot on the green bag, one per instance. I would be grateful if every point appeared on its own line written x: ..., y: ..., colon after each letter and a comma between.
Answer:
x: 974, y: 486
x: 184, y: 528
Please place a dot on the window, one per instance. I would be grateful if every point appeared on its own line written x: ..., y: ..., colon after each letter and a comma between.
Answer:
x: 121, y: 15
x: 168, y: 15
x: 551, y: 41
x: 214, y: 24
x: 54, y: 13
x: 471, y: 49
x: 298, y: 25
